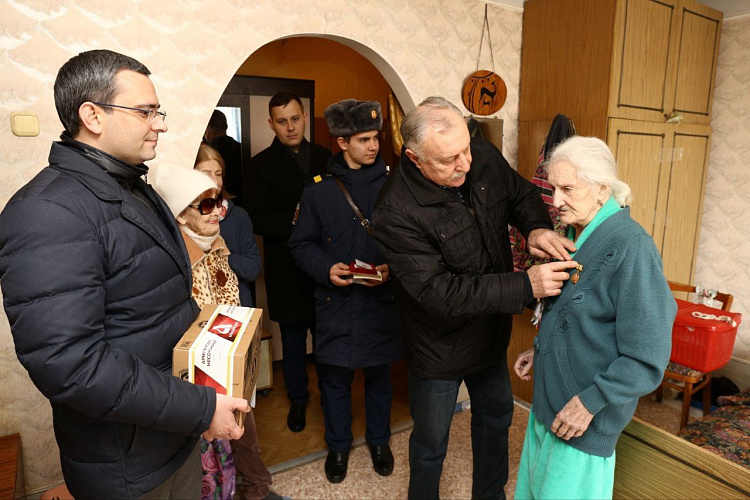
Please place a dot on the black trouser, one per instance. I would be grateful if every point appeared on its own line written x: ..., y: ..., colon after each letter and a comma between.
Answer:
x: 294, y: 349
x: 336, y: 398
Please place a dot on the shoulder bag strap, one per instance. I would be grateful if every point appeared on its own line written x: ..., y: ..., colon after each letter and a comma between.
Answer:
x: 362, y: 219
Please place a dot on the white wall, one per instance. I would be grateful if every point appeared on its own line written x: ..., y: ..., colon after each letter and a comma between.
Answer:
x: 724, y: 250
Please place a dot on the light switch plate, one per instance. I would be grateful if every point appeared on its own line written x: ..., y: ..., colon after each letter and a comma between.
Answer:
x: 24, y: 124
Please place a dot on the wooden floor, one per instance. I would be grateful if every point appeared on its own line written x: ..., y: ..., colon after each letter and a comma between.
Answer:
x: 278, y: 444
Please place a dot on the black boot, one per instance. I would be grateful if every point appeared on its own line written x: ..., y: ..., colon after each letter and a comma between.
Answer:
x: 296, y: 418
x: 382, y: 459
x: 336, y: 466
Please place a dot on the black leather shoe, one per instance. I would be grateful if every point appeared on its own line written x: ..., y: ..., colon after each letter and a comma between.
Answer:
x: 296, y: 418
x: 336, y: 465
x: 382, y: 459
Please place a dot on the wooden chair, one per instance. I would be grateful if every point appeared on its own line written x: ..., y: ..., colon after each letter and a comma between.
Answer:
x: 690, y: 380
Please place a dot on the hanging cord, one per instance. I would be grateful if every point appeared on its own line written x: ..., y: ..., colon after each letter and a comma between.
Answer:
x: 486, y: 25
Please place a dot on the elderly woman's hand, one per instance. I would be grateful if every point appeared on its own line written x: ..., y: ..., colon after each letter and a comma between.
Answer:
x: 548, y: 244
x: 572, y: 420
x: 523, y: 364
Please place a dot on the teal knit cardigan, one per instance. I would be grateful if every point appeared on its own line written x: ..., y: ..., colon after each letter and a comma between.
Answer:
x: 607, y: 338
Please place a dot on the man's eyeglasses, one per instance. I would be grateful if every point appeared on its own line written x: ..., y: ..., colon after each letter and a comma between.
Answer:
x: 150, y: 113
x: 207, y: 205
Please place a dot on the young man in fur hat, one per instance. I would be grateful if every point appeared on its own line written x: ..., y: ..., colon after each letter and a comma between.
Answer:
x: 357, y: 322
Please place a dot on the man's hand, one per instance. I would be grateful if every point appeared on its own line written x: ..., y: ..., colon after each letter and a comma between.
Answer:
x: 548, y: 244
x: 337, y: 272
x: 547, y: 279
x: 223, y: 425
x: 572, y: 420
x: 523, y: 364
x: 384, y: 270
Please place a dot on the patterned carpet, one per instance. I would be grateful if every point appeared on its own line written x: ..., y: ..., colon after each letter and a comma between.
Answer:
x: 308, y: 481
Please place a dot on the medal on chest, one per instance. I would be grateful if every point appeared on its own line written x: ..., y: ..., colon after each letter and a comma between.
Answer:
x: 577, y: 275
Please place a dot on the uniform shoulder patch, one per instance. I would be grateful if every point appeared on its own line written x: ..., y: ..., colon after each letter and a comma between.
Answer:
x: 321, y: 178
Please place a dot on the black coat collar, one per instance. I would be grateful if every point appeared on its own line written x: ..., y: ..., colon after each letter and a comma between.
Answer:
x: 104, y: 186
x: 338, y: 167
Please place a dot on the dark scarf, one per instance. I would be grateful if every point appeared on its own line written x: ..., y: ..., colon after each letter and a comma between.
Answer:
x: 126, y: 174
x: 303, y: 157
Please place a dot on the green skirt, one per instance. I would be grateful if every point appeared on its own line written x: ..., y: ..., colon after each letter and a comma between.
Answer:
x: 550, y: 468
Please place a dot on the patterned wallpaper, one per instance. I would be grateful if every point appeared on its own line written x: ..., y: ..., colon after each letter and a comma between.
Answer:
x: 193, y: 47
x: 724, y: 249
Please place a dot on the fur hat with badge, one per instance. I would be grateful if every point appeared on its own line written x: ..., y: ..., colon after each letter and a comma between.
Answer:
x: 350, y: 116
x: 179, y: 186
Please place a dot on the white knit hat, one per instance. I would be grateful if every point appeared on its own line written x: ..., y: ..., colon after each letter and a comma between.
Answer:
x: 179, y: 186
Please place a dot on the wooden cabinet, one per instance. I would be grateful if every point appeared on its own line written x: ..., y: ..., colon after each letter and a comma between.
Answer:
x: 11, y: 474
x: 664, y: 60
x: 633, y: 59
x: 665, y: 166
x: 521, y: 340
x: 618, y: 69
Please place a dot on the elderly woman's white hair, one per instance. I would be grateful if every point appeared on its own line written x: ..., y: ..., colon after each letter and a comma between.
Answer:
x: 595, y: 164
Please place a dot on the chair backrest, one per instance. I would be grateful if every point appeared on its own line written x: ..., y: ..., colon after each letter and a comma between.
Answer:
x: 725, y: 298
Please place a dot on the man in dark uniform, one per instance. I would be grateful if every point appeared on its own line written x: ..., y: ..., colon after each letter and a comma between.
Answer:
x: 230, y: 150
x: 272, y: 190
x: 357, y: 322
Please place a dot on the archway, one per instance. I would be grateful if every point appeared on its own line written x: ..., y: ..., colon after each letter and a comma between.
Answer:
x: 341, y: 68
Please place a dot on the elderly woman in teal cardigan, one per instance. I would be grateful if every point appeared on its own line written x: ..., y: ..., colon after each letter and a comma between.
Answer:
x: 604, y: 341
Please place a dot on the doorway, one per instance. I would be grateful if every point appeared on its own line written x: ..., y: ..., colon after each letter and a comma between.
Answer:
x: 321, y: 71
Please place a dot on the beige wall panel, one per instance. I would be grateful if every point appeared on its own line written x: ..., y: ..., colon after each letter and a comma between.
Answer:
x: 684, y: 206
x: 723, y: 261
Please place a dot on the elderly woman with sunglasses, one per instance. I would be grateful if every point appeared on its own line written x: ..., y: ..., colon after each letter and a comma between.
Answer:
x: 196, y: 203
x: 236, y: 226
x: 604, y: 341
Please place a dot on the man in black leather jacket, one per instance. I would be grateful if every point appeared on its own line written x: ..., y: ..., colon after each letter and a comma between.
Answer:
x: 442, y: 224
x: 96, y: 284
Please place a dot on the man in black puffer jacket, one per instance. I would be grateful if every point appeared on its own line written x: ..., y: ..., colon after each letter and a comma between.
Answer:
x: 96, y: 284
x: 441, y: 223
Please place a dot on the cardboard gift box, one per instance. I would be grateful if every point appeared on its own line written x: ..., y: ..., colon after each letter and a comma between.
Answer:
x: 221, y: 350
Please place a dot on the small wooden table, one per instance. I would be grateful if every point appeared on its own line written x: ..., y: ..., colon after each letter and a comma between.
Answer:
x: 11, y: 476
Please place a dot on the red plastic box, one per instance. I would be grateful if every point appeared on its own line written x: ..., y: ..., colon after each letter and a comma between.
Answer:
x: 702, y: 344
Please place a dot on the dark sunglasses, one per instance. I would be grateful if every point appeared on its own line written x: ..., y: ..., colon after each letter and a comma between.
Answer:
x: 207, y: 205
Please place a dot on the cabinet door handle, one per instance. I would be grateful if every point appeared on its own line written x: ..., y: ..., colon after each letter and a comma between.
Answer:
x: 673, y: 117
